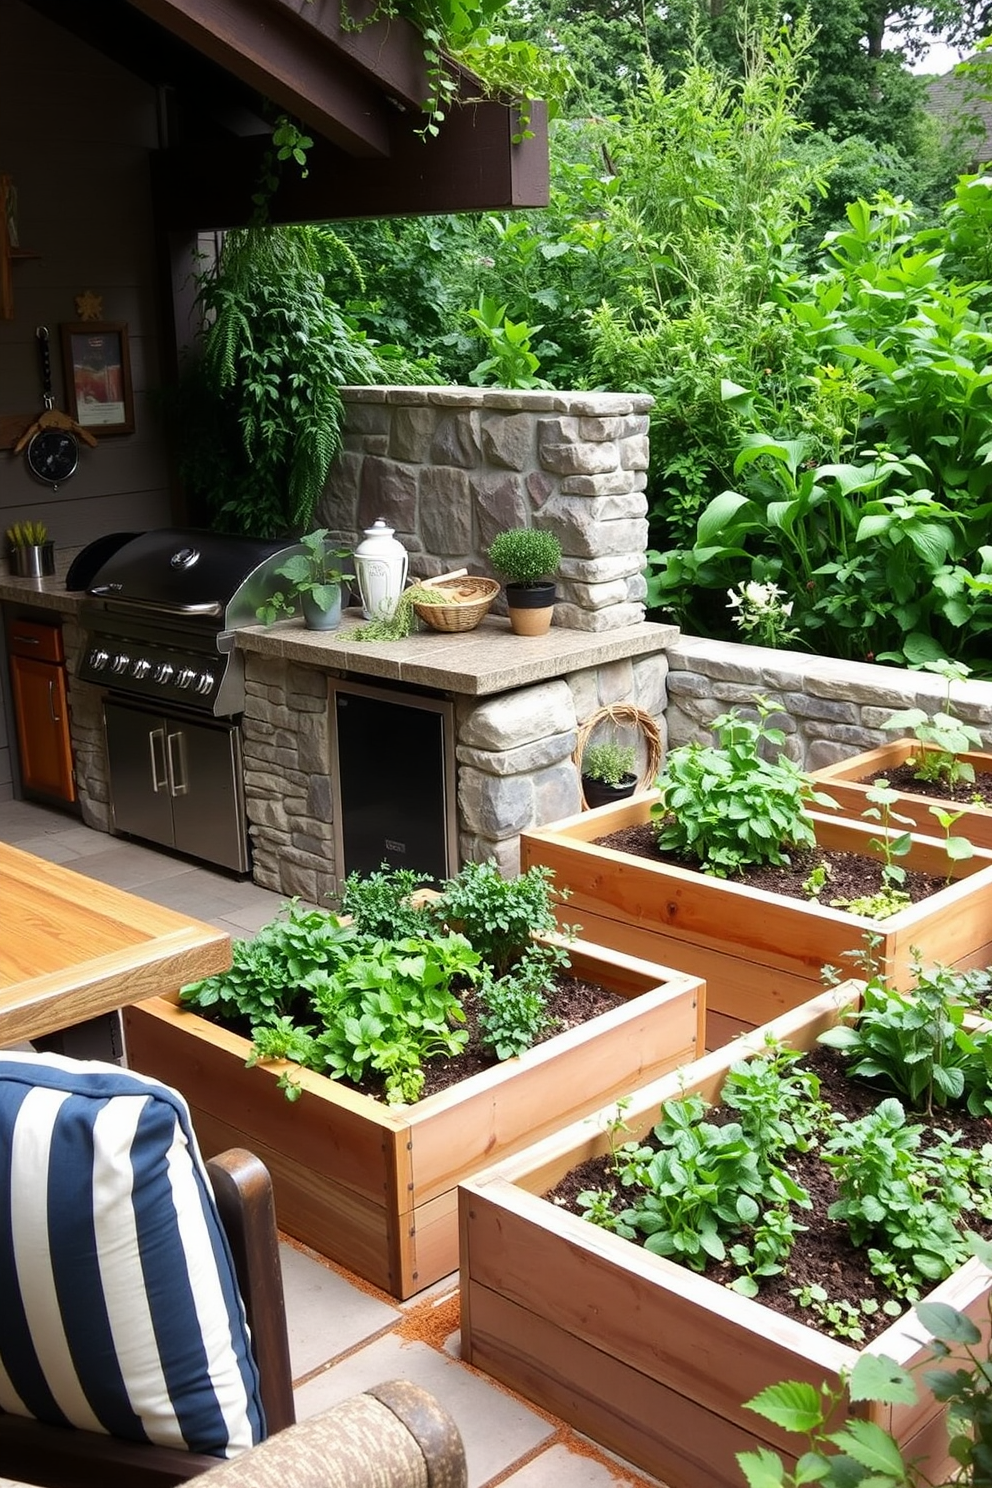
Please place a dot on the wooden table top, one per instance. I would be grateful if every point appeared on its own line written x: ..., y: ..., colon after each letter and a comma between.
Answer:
x: 72, y: 948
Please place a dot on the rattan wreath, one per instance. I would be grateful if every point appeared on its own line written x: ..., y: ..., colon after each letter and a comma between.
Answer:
x: 618, y: 714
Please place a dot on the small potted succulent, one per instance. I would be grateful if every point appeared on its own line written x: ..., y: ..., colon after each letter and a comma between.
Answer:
x: 314, y: 578
x: 31, y: 554
x: 608, y: 772
x: 527, y: 557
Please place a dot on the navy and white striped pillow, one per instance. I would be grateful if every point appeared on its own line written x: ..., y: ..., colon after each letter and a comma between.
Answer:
x: 120, y: 1309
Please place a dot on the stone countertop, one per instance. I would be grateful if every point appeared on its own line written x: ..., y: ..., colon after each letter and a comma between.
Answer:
x: 43, y: 594
x: 476, y: 663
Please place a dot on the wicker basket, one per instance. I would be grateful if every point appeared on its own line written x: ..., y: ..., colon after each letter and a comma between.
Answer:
x: 470, y: 598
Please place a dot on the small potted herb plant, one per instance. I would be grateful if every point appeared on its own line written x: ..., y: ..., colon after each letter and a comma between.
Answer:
x: 527, y: 557
x: 314, y: 578
x: 608, y: 772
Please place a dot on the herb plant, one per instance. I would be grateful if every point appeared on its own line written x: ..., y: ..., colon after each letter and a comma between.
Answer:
x: 729, y: 807
x: 499, y: 915
x: 945, y: 736
x: 381, y: 994
x: 525, y: 555
x: 860, y: 1451
x: 917, y: 1045
x: 609, y: 762
x: 314, y: 571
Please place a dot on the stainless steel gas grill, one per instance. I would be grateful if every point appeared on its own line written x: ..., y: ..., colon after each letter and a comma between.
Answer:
x: 159, y: 622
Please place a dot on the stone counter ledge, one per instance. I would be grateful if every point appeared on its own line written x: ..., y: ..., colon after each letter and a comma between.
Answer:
x: 473, y: 663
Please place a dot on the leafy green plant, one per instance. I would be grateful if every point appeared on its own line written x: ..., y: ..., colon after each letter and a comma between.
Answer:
x: 902, y: 1202
x: 499, y: 915
x: 382, y: 903
x: 272, y: 973
x: 609, y: 761
x: 403, y: 621
x: 390, y: 1008
x: 944, y: 734
x: 510, y: 362
x: 258, y: 413
x: 727, y: 806
x: 525, y: 555
x: 918, y: 1044
x: 514, y: 1006
x: 842, y: 1318
x: 860, y: 1451
x: 314, y: 571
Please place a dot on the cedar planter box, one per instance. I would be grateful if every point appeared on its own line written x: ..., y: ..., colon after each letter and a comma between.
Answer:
x: 373, y: 1187
x: 759, y: 953
x: 652, y: 1360
x: 845, y: 782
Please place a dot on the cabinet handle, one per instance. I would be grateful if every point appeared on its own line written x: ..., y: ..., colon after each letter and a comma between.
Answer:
x: 157, y: 736
x: 177, y: 776
x: 56, y: 717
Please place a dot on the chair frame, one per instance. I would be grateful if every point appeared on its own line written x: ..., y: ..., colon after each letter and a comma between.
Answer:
x: 64, y: 1457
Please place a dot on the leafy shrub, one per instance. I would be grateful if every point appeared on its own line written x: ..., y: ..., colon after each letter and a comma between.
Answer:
x: 728, y: 807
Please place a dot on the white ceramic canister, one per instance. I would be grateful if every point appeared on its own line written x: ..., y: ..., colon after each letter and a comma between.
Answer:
x: 380, y: 567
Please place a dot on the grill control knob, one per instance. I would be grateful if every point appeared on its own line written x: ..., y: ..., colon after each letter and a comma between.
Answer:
x: 120, y: 663
x: 141, y: 668
x: 98, y: 658
x: 164, y: 671
x: 204, y: 682
x: 185, y: 676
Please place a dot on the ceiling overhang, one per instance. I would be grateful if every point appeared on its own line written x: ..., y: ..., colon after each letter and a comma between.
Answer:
x: 226, y: 68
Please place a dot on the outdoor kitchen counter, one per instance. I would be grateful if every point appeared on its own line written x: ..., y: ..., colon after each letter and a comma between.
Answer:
x: 42, y: 594
x: 475, y: 663
x: 72, y: 948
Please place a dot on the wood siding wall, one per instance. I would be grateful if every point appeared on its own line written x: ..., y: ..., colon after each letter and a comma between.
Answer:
x: 75, y: 136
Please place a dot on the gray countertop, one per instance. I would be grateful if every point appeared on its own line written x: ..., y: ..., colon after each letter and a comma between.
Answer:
x: 476, y: 663
x: 42, y: 594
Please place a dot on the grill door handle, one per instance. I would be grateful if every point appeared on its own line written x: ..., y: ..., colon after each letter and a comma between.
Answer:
x: 159, y: 779
x: 176, y: 750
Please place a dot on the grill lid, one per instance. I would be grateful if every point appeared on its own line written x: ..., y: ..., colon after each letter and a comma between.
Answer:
x: 186, y: 572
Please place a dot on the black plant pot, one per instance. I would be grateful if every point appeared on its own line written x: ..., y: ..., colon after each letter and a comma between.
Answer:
x: 530, y: 607
x: 598, y: 793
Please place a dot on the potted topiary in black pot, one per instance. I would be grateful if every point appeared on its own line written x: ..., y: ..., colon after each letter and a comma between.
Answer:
x: 608, y: 772
x: 526, y: 557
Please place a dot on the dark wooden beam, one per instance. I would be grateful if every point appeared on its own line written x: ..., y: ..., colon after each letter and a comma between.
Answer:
x: 472, y: 165
x: 305, y: 68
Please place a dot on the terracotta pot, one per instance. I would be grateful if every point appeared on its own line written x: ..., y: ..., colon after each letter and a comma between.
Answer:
x: 530, y: 607
x: 372, y: 1186
x: 845, y: 782
x: 652, y: 1360
x: 759, y: 952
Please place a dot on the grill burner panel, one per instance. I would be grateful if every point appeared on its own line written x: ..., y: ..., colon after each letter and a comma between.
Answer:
x: 161, y: 611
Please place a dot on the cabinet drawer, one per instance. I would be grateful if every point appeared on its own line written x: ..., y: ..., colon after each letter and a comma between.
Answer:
x: 36, y: 639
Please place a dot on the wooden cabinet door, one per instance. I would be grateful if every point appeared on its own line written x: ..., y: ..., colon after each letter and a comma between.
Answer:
x: 42, y: 708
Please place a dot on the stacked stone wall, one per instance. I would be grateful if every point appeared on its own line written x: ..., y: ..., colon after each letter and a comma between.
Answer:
x: 448, y: 468
x: 828, y: 709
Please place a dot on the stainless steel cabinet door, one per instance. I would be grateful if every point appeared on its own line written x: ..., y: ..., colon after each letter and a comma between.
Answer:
x: 139, y: 775
x: 204, y: 768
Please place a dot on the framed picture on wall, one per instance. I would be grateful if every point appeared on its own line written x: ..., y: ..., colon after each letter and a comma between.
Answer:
x: 97, y: 362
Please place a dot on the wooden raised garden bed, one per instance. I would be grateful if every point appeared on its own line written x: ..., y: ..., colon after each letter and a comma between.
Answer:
x: 373, y: 1187
x: 847, y: 781
x: 759, y: 953
x: 652, y: 1360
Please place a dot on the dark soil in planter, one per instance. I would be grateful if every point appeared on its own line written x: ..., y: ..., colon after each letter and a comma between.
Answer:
x: 964, y: 794
x: 851, y: 875
x: 823, y: 1254
x: 572, y: 1003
